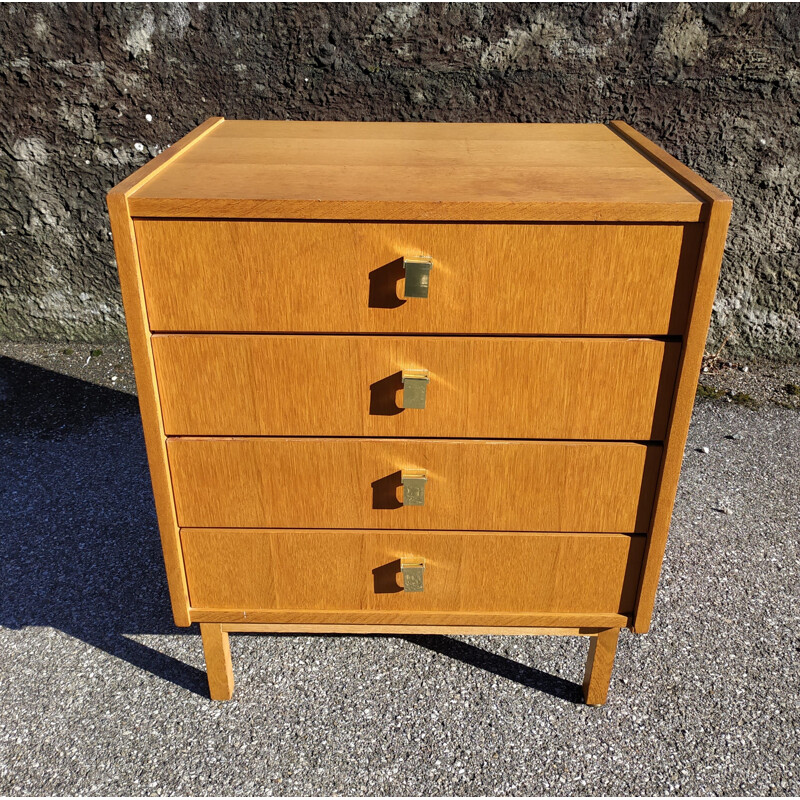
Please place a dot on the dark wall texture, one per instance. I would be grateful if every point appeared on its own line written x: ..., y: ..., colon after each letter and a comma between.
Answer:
x: 90, y: 92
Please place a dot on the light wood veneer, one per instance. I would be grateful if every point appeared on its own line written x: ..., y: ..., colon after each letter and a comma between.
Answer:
x: 489, y: 387
x: 359, y: 571
x: 574, y: 269
x: 346, y: 170
x: 220, y: 275
x: 355, y: 483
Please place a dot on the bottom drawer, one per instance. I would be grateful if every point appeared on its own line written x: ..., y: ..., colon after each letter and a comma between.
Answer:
x: 261, y: 569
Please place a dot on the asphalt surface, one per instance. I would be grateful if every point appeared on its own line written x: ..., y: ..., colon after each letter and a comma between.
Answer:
x: 101, y: 694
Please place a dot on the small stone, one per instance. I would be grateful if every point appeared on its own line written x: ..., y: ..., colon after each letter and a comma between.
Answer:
x: 745, y: 369
x: 148, y: 117
x: 138, y: 146
x: 735, y: 436
x: 705, y: 369
x: 704, y: 450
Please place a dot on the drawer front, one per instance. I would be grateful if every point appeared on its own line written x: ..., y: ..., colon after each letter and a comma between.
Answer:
x: 360, y: 570
x: 347, y: 277
x: 356, y: 483
x: 218, y: 385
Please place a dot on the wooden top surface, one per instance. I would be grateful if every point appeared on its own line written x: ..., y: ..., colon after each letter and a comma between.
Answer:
x: 412, y: 170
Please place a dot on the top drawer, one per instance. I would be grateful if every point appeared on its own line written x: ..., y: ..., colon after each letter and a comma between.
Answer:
x: 340, y: 277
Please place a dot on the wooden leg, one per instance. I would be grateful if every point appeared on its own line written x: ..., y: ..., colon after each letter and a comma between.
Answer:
x: 219, y: 669
x: 602, y: 649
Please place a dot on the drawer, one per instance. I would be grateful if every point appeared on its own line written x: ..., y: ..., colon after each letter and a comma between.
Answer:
x: 356, y: 483
x: 492, y: 387
x: 360, y: 570
x: 217, y: 275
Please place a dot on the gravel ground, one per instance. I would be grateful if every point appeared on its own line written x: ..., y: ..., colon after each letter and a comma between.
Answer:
x: 101, y: 694
x: 752, y: 384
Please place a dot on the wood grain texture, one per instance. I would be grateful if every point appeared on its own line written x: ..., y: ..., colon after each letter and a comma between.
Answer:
x: 242, y: 385
x: 449, y: 619
x: 217, y: 650
x: 137, y: 180
x: 502, y: 211
x: 355, y: 483
x: 599, y: 666
x: 693, y: 182
x: 359, y: 571
x: 141, y: 354
x: 149, y: 404
x: 718, y: 214
x: 340, y: 170
x: 285, y: 271
x: 685, y: 392
x: 399, y: 630
x: 347, y: 277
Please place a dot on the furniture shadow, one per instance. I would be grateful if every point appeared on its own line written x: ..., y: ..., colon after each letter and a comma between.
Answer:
x: 80, y: 539
x: 468, y: 654
x: 384, y: 491
x: 383, y: 396
x: 530, y: 677
x: 384, y: 578
x: 80, y: 544
x: 383, y: 285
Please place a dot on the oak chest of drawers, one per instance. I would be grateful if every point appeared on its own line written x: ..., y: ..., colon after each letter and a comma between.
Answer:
x: 416, y: 377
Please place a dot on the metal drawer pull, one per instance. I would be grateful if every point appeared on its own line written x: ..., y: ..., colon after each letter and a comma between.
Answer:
x: 413, y: 481
x: 413, y: 570
x: 415, y: 387
x: 417, y: 272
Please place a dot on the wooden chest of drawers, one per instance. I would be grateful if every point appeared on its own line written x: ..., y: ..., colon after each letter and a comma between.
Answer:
x: 416, y: 377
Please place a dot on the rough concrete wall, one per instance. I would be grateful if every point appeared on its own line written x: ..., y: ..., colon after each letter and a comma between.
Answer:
x: 89, y: 92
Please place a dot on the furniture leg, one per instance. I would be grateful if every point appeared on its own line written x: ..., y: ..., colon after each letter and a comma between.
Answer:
x: 216, y: 646
x: 599, y: 664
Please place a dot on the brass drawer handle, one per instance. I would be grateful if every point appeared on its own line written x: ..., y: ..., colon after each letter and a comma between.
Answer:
x: 413, y: 481
x: 417, y: 273
x: 413, y: 570
x: 415, y: 387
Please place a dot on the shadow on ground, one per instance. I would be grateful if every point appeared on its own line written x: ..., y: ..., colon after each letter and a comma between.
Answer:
x: 80, y: 540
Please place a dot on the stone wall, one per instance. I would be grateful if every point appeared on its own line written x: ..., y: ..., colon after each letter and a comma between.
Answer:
x: 90, y: 92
